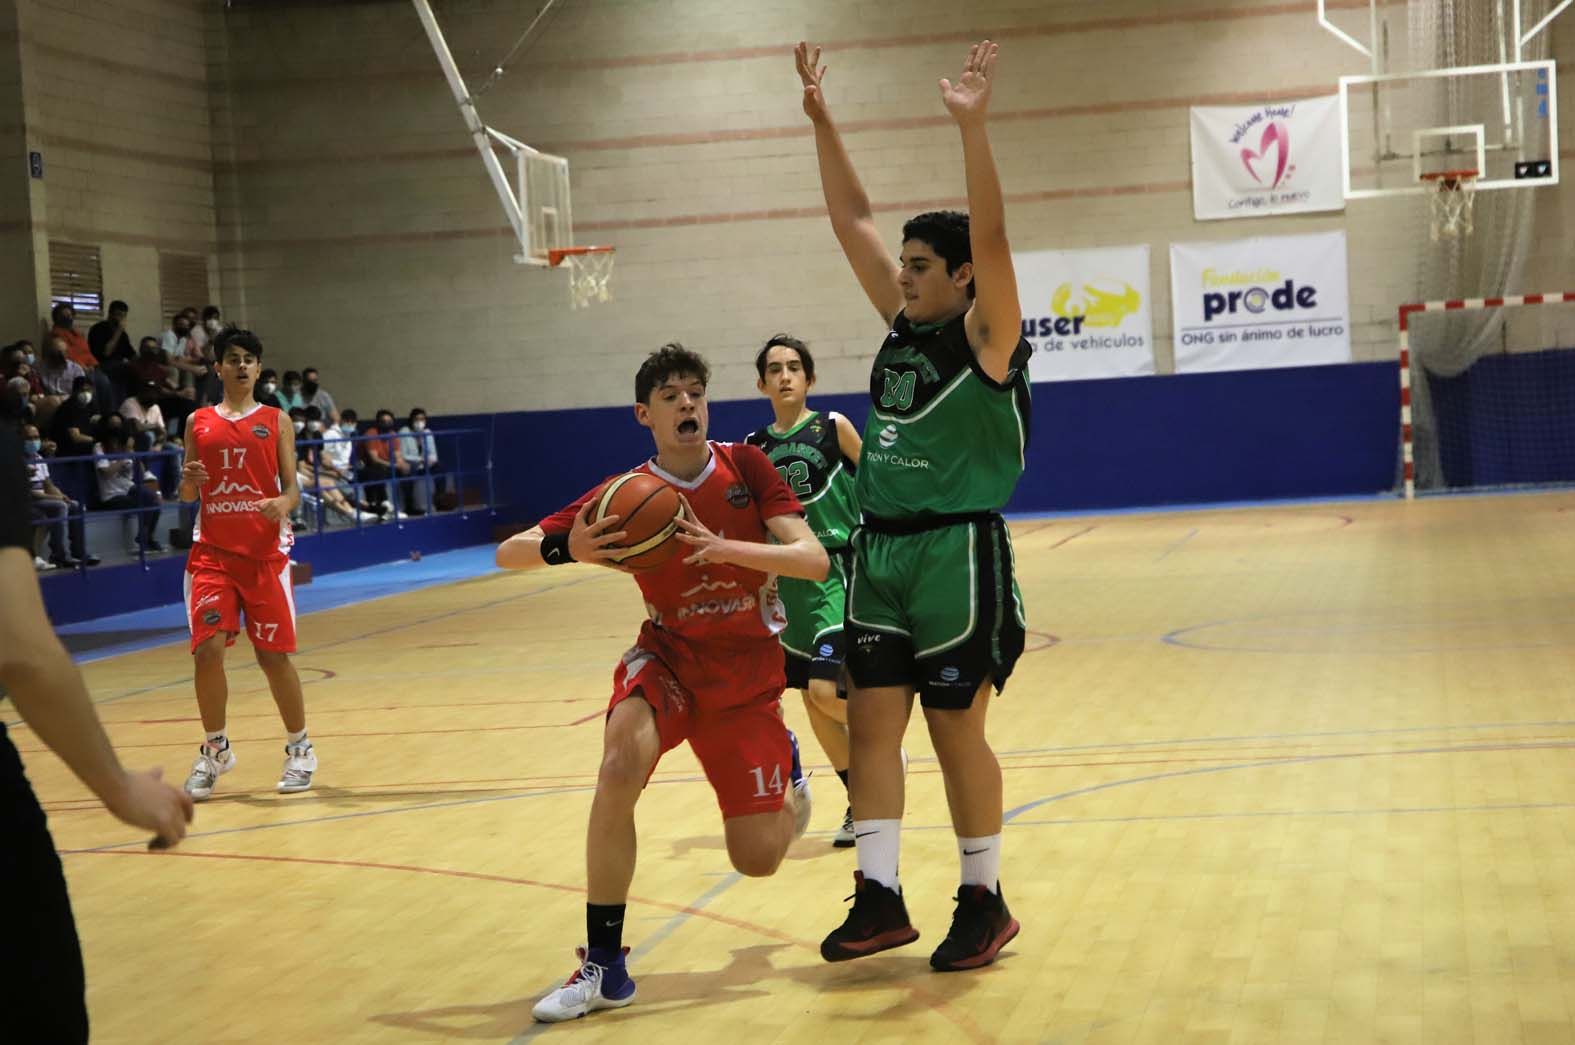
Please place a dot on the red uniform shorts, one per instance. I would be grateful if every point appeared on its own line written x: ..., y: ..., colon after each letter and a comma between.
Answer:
x: 220, y: 585
x: 724, y: 700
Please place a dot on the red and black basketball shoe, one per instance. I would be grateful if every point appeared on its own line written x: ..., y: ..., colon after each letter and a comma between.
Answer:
x: 877, y: 922
x: 981, y: 926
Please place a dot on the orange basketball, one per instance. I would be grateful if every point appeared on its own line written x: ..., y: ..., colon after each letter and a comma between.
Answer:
x: 647, y: 510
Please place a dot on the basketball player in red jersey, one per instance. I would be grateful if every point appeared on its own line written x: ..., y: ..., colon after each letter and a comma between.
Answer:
x: 240, y: 462
x: 707, y: 667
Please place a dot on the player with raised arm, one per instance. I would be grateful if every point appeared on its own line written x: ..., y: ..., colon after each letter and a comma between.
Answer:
x: 817, y: 455
x: 706, y: 668
x: 240, y: 466
x: 933, y: 606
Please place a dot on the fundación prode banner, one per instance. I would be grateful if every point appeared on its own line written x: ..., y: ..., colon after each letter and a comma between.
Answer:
x: 1274, y: 301
x: 1086, y: 312
x: 1256, y: 160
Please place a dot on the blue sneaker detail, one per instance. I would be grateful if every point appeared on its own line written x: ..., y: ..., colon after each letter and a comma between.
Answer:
x: 797, y: 772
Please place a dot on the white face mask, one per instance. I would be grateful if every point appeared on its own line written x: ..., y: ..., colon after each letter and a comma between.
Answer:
x: 419, y: 426
x: 84, y: 398
x: 268, y: 387
x: 31, y: 359
x: 300, y: 426
x: 212, y: 326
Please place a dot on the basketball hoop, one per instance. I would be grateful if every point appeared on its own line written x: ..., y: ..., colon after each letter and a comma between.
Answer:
x: 590, y: 269
x: 1451, y: 202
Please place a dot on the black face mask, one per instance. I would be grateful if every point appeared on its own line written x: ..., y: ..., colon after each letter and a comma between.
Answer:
x: 309, y: 389
x: 385, y: 426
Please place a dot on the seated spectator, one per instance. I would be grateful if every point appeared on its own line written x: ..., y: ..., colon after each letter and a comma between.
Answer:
x: 210, y: 324
x: 142, y: 412
x: 181, y: 350
x: 52, y: 509
x: 75, y: 425
x: 267, y: 386
x: 298, y: 420
x: 338, y: 449
x: 319, y: 480
x: 57, y: 373
x: 16, y: 406
x: 312, y: 394
x: 149, y: 367
x: 381, y: 458
x: 123, y: 485
x: 289, y: 394
x: 107, y: 339
x: 17, y: 360
x: 64, y: 318
x: 419, y: 448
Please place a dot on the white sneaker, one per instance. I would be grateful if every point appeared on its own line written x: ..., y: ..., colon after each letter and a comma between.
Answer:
x: 41, y: 564
x: 583, y: 993
x: 208, y: 768
x: 843, y: 839
x: 300, y: 762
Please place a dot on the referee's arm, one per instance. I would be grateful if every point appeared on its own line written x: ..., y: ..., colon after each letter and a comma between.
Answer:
x: 38, y: 676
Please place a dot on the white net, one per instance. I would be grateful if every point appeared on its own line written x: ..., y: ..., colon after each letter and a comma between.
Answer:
x: 590, y: 274
x: 1490, y: 262
x: 1452, y: 205
x: 1507, y: 417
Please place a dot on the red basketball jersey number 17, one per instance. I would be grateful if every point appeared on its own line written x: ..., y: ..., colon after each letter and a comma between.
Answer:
x: 241, y: 455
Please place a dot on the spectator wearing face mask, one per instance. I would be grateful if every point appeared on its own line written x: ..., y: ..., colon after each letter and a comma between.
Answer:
x: 313, y: 394
x: 121, y: 487
x: 211, y: 323
x: 419, y: 448
x: 318, y: 476
x: 107, y: 339
x: 16, y: 406
x: 267, y: 387
x: 57, y: 372
x: 289, y: 393
x: 76, y: 422
x: 52, y: 509
x: 182, y: 352
x: 381, y: 458
x: 17, y: 361
x: 63, y: 319
x: 142, y: 412
x: 338, y: 450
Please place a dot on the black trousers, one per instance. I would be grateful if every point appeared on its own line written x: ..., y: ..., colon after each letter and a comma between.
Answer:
x: 42, y: 989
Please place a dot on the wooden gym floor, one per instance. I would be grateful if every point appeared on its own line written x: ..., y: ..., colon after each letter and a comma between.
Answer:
x: 1279, y: 774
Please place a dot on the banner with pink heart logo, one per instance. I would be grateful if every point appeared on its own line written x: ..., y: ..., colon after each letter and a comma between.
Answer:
x: 1250, y: 161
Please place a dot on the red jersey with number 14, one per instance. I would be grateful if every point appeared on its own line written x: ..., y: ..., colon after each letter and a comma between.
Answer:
x: 241, y: 455
x: 734, y: 496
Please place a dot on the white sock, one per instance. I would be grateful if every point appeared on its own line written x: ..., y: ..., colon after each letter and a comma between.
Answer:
x: 218, y: 741
x: 877, y: 843
x: 295, y: 739
x: 981, y: 861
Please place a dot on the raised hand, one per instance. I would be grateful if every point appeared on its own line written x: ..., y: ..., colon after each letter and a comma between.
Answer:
x: 969, y: 98
x: 811, y: 74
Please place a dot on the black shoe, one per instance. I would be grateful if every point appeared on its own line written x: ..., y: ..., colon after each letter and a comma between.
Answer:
x: 877, y: 922
x: 152, y: 547
x: 65, y: 562
x: 91, y: 560
x: 981, y: 926
x: 415, y: 511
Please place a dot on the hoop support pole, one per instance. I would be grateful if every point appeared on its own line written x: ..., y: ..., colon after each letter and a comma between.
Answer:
x: 478, y: 131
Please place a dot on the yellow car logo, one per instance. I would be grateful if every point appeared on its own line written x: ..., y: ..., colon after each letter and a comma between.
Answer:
x: 1101, y: 303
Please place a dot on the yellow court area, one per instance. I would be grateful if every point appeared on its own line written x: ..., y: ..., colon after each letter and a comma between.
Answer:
x: 1276, y: 774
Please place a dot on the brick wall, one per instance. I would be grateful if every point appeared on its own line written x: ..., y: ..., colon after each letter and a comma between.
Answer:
x: 116, y: 99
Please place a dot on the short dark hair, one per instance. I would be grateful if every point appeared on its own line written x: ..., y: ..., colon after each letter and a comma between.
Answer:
x: 314, y: 413
x: 946, y: 231
x: 786, y: 341
x: 349, y: 414
x: 119, y: 306
x: 288, y: 374
x: 417, y: 411
x: 210, y: 312
x: 235, y: 337
x: 297, y: 411
x: 267, y: 373
x: 671, y: 360
x: 82, y: 382
x: 144, y: 342
x: 307, y: 370
x: 59, y: 307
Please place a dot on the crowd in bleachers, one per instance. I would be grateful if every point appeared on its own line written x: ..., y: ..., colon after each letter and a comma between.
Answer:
x: 102, y: 423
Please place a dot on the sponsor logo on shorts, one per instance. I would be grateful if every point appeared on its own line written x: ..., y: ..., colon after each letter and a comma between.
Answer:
x: 950, y: 674
x: 738, y: 495
x: 826, y: 649
x: 212, y: 617
x: 867, y: 638
x: 260, y: 431
x: 206, y: 600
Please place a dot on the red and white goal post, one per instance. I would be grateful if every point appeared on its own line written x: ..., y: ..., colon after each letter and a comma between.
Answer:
x: 1407, y: 312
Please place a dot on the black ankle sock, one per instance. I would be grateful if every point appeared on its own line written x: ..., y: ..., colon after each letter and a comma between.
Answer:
x: 842, y: 775
x: 604, y: 926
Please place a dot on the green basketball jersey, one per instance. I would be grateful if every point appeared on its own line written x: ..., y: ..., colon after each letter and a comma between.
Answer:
x: 810, y: 461
x: 943, y: 437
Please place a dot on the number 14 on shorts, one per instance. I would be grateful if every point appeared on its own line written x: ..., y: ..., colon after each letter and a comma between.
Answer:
x: 764, y: 787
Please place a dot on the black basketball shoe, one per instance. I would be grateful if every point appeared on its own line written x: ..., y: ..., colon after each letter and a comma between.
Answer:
x: 877, y: 922
x: 981, y: 926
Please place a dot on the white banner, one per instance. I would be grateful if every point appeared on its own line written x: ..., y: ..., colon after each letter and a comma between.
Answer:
x: 1086, y: 312
x: 1267, y: 302
x: 1256, y: 160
